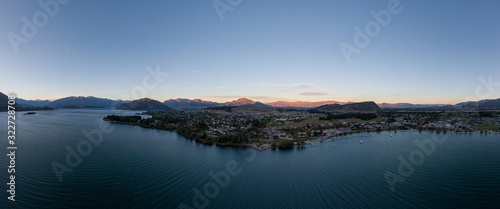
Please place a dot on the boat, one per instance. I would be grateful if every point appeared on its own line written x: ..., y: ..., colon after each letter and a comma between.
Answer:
x: 391, y: 135
x: 361, y: 142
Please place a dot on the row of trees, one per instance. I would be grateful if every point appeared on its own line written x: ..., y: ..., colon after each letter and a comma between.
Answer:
x: 287, y: 144
x: 238, y: 138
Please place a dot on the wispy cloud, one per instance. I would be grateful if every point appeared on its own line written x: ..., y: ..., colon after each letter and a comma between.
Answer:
x: 267, y: 98
x: 259, y: 84
x: 398, y: 94
x: 282, y: 87
x: 246, y: 85
x: 295, y: 87
x: 287, y: 90
x: 313, y: 93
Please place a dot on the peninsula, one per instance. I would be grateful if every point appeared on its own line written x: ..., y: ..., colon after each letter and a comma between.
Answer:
x: 283, y: 128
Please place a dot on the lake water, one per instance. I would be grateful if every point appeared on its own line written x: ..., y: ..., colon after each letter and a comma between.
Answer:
x: 135, y: 167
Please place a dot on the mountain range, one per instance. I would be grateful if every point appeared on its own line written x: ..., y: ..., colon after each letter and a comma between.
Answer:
x: 94, y: 102
x: 190, y: 104
x: 32, y: 103
x: 201, y: 104
x: 85, y: 102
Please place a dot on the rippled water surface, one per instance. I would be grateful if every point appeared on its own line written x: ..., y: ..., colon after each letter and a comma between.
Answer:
x: 135, y: 167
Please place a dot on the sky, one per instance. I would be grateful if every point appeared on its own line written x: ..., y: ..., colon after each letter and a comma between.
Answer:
x: 420, y: 51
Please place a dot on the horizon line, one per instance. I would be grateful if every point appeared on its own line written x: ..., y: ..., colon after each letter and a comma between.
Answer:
x: 256, y: 100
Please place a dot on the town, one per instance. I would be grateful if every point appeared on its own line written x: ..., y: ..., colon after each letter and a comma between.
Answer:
x: 285, y: 128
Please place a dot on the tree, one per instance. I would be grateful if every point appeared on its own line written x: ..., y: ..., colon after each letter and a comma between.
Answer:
x: 301, y: 143
x: 285, y: 144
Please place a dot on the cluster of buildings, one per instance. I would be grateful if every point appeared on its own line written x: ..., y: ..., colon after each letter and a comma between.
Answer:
x: 281, y: 125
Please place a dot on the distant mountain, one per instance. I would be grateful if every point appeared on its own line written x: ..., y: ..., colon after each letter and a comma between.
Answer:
x: 487, y: 104
x: 4, y: 99
x: 190, y: 104
x: 352, y: 107
x: 244, y: 102
x: 491, y: 104
x: 143, y: 104
x: 302, y: 104
x: 202, y: 104
x: 84, y: 102
x: 469, y: 104
x: 94, y: 102
x: 33, y: 103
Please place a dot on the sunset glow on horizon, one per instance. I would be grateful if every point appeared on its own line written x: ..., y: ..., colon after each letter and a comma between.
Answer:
x: 264, y: 51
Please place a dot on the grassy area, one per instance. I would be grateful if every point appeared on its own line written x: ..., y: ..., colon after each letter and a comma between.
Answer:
x: 486, y: 127
x: 317, y: 121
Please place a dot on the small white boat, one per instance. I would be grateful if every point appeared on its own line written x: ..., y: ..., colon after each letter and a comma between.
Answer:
x: 361, y: 142
x: 391, y: 135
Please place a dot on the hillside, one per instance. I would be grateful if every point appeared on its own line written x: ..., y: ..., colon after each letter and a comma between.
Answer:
x: 352, y: 107
x: 143, y: 104
x: 407, y: 105
x: 4, y: 99
x: 490, y: 104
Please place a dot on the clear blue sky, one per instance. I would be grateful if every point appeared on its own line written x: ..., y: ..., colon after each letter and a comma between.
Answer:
x: 430, y: 52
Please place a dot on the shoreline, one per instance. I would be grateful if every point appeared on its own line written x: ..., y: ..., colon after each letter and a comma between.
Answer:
x: 310, y: 142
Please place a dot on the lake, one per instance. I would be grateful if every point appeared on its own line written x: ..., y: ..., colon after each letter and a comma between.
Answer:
x: 103, y: 165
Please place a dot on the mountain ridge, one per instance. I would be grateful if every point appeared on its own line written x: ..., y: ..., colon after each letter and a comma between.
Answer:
x: 302, y: 104
x: 144, y: 104
x: 248, y: 103
x: 84, y: 102
x: 368, y: 106
x: 182, y: 103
